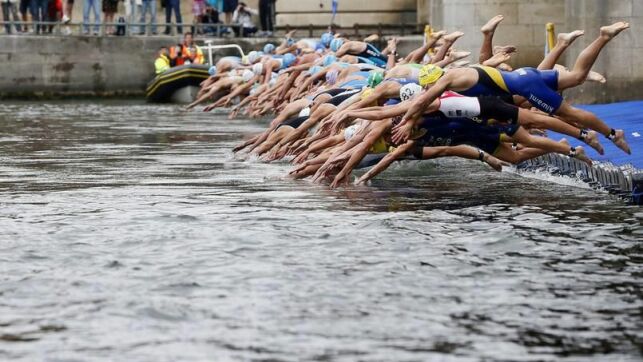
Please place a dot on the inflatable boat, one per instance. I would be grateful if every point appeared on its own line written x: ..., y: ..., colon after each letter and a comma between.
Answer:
x: 177, y: 85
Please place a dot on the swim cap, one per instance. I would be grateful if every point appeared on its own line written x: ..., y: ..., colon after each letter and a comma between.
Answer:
x: 366, y: 93
x: 349, y: 132
x: 247, y: 75
x: 253, y: 56
x: 374, y: 78
x: 329, y: 59
x: 289, y: 59
x: 430, y: 74
x: 336, y: 43
x: 212, y: 70
x: 314, y: 69
x: 331, y: 76
x: 269, y: 48
x: 326, y: 38
x: 257, y: 68
x: 304, y: 112
x: 408, y: 91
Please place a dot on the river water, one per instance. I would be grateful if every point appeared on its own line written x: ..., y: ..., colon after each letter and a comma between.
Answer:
x: 129, y: 232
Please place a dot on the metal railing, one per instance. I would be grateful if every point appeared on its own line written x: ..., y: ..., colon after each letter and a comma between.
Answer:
x: 358, y: 30
x: 121, y: 29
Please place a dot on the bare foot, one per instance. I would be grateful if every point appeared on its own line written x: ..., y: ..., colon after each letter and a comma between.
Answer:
x: 595, y: 77
x: 438, y: 34
x: 504, y: 49
x: 497, y: 59
x: 567, y: 38
x: 491, y: 25
x: 613, y: 30
x: 453, y: 36
x: 371, y: 38
x: 495, y: 163
x: 458, y: 55
x: 580, y: 154
x: 506, y: 67
x: 591, y: 139
x: 619, y: 141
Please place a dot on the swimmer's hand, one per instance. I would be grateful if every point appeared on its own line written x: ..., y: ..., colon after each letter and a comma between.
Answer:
x: 402, y: 132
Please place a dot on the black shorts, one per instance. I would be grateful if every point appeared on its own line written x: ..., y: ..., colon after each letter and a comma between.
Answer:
x: 338, y: 99
x: 294, y: 122
x: 495, y: 108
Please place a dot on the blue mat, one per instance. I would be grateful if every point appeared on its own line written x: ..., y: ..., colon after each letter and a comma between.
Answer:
x: 625, y: 115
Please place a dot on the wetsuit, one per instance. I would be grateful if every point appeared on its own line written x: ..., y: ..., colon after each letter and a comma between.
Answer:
x: 539, y: 87
x: 480, y: 109
x: 294, y: 122
x: 373, y: 54
x: 444, y: 131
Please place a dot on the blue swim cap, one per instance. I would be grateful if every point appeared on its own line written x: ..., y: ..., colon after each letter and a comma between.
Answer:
x: 212, y: 70
x: 326, y: 38
x: 329, y: 59
x: 289, y: 59
x: 335, y: 44
x: 269, y: 48
x: 314, y: 69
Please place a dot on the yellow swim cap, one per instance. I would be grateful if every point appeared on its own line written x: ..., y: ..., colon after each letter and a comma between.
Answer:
x: 365, y: 93
x: 430, y: 74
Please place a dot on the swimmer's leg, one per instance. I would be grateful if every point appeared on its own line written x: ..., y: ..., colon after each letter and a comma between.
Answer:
x: 486, y: 51
x: 546, y: 144
x: 588, y: 56
x: 589, y: 120
x: 530, y: 119
x: 506, y: 153
x: 563, y: 42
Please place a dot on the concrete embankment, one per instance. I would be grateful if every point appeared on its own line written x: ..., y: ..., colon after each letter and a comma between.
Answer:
x: 40, y: 66
x: 35, y: 66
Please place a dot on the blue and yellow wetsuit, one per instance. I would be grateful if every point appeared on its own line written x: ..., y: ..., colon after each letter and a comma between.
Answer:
x: 539, y: 87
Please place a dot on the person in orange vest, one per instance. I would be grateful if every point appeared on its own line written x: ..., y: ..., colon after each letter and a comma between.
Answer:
x: 187, y: 52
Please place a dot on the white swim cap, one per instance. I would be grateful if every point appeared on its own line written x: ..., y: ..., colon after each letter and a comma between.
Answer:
x: 304, y: 112
x: 408, y: 91
x: 350, y: 132
x: 253, y: 56
x: 247, y: 75
x: 257, y: 68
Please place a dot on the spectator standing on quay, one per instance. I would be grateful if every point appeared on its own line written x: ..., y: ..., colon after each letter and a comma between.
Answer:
x: 68, y: 7
x: 267, y: 16
x: 173, y: 5
x: 91, y: 5
x: 229, y: 6
x: 110, y: 7
x: 243, y: 15
x: 10, y: 9
x: 27, y: 5
x: 40, y: 15
x: 149, y: 6
x: 54, y: 13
